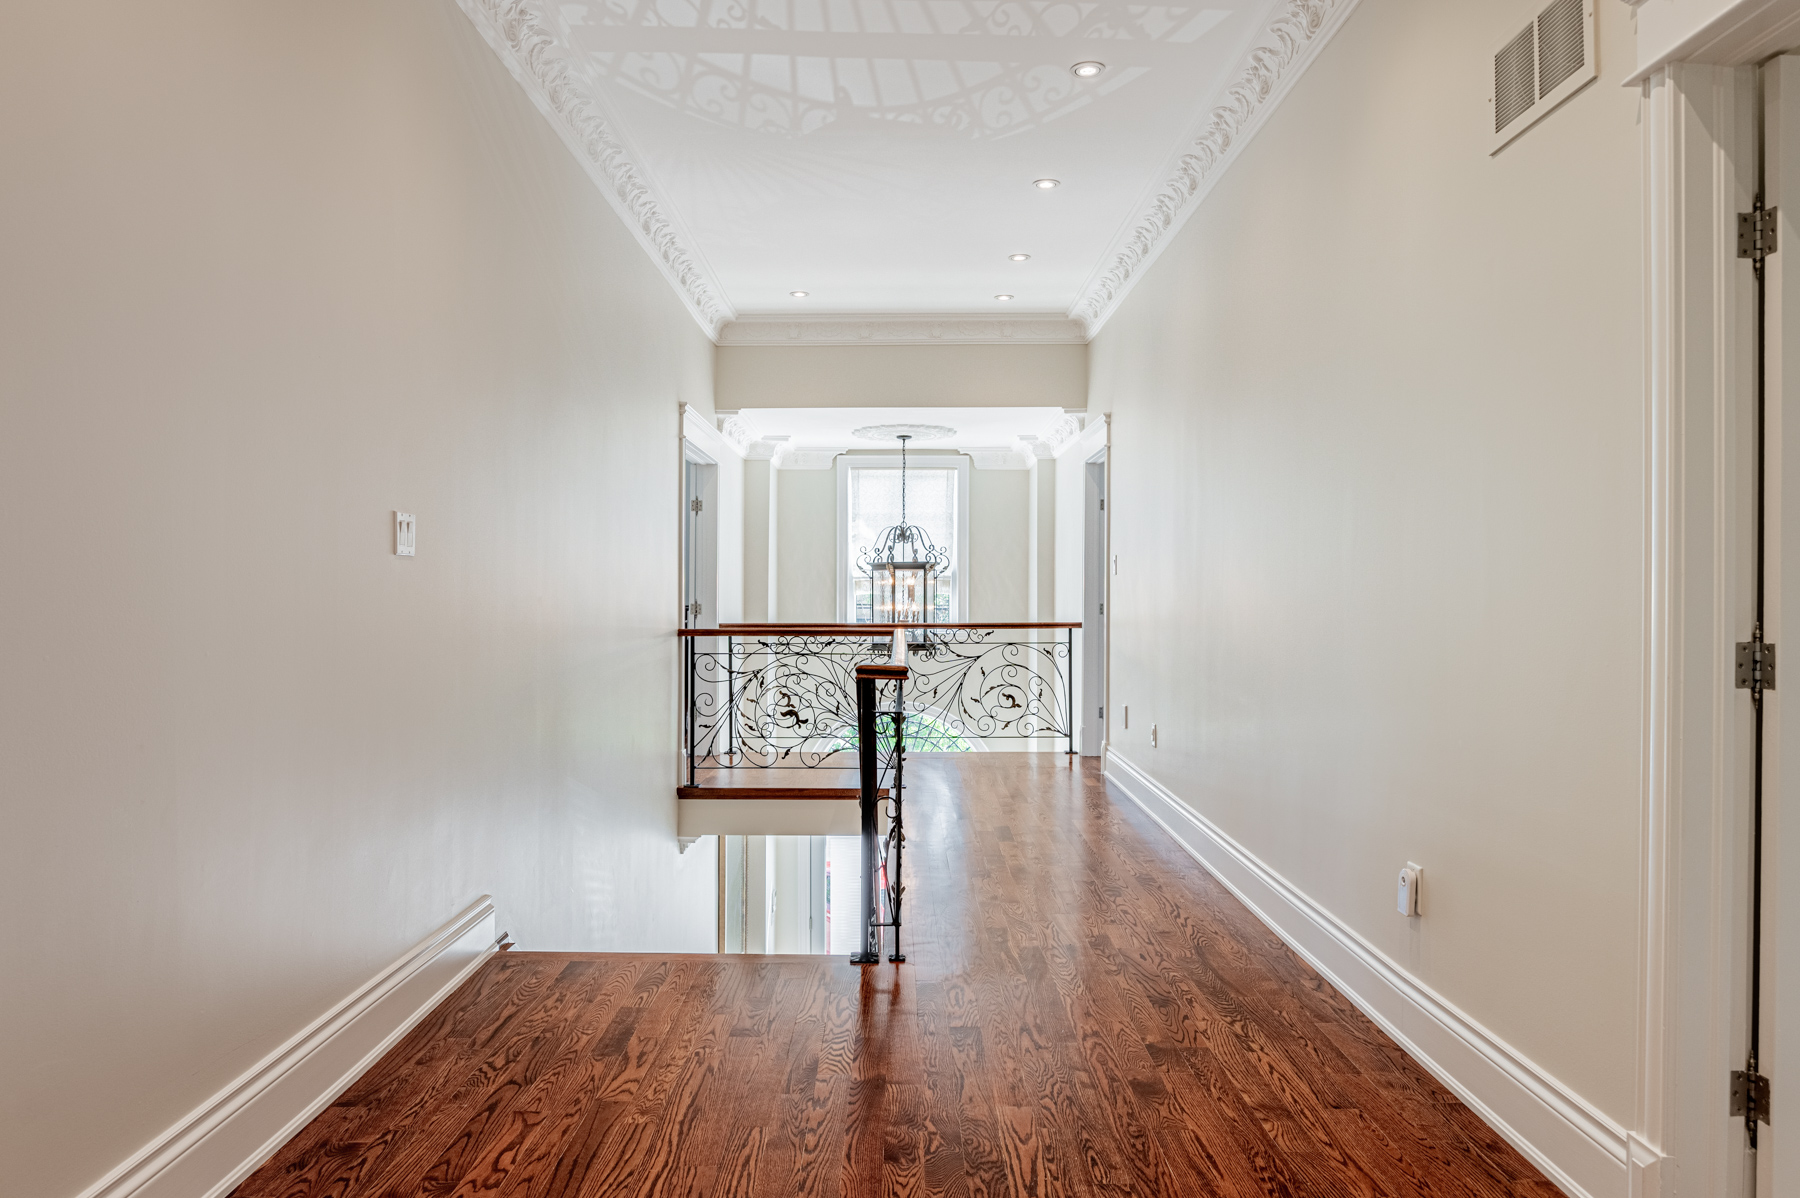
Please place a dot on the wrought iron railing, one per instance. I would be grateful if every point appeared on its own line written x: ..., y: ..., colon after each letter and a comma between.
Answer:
x: 785, y: 696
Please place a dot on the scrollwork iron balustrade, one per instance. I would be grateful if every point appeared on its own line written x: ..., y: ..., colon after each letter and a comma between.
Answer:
x: 763, y: 700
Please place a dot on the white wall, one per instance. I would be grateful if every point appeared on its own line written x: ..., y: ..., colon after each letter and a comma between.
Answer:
x: 806, y: 546
x: 1377, y: 495
x: 1041, y: 529
x: 999, y: 545
x: 857, y: 376
x: 273, y: 271
x: 760, y: 572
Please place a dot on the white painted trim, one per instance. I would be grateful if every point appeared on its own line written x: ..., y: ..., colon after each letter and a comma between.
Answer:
x: 1699, y: 152
x: 705, y: 437
x: 1566, y: 1137
x: 924, y: 460
x: 1725, y: 32
x: 701, y: 435
x: 224, y: 1139
x: 905, y: 328
x: 1279, y: 54
x: 545, y: 65
x: 1091, y: 440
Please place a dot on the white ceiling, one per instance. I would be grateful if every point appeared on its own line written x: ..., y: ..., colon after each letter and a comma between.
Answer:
x: 880, y: 154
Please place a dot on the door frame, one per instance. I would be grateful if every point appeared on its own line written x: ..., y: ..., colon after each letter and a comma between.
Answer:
x: 1700, y: 127
x: 1096, y: 593
x: 699, y: 536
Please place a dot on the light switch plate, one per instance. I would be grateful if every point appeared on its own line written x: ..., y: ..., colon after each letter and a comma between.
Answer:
x: 405, y: 535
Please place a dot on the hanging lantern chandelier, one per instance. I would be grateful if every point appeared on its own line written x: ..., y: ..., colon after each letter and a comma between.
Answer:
x: 903, y: 566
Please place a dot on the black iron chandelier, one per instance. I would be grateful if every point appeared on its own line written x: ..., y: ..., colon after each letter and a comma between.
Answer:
x: 903, y: 566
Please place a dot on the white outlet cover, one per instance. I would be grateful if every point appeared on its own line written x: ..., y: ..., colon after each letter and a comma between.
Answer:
x: 405, y: 535
x: 1406, y: 900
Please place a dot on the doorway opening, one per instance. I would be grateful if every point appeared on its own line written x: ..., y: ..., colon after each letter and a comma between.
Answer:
x: 1093, y: 616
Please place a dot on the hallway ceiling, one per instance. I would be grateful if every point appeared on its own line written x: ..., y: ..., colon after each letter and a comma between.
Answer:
x: 880, y: 155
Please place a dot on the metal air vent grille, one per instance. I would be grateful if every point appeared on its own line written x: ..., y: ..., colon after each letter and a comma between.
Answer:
x: 1542, y: 65
x: 1562, y: 44
x: 1513, y: 90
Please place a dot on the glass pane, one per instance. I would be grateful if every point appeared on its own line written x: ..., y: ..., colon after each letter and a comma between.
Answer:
x: 875, y: 505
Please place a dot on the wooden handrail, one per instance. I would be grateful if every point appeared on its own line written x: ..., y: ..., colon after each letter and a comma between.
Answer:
x: 853, y: 629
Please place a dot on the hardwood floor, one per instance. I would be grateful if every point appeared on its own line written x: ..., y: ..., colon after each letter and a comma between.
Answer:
x: 1084, y: 1011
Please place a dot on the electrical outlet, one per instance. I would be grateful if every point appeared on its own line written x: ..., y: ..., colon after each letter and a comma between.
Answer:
x: 1407, y: 899
x: 1153, y: 736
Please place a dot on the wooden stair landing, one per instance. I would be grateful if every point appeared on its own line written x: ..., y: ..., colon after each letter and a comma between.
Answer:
x: 775, y: 784
x: 753, y: 802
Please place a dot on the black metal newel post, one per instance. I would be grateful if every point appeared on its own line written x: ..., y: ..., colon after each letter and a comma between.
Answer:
x: 869, y: 759
x: 1069, y: 685
x: 692, y: 698
x: 896, y: 880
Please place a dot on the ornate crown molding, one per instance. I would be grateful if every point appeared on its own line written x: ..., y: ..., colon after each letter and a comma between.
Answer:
x: 1000, y: 457
x: 1280, y: 53
x: 808, y: 457
x: 540, y: 60
x: 903, y: 329
x: 1051, y: 443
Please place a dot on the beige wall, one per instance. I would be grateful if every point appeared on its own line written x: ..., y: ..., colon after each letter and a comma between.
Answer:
x: 806, y: 546
x: 999, y: 545
x: 1377, y: 496
x: 760, y: 478
x: 860, y: 376
x: 271, y: 272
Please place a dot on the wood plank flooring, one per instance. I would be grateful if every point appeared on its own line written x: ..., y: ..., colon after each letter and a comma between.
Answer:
x: 1083, y: 1011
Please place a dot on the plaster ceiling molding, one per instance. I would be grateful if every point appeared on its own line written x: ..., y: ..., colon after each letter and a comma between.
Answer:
x: 807, y: 457
x: 999, y: 457
x: 903, y: 329
x: 537, y: 52
x: 932, y: 428
x: 1062, y: 432
x: 735, y: 430
x: 1280, y: 54
x: 886, y: 433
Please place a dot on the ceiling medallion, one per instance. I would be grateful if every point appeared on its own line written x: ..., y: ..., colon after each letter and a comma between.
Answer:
x: 887, y: 432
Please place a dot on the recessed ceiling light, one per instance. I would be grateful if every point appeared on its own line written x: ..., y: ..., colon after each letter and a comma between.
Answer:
x: 1003, y: 297
x: 798, y: 294
x: 1046, y: 184
x: 1020, y: 257
x: 1087, y: 70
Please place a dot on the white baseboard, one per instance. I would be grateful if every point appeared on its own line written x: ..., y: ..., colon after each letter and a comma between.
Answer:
x: 225, y: 1138
x: 1581, y: 1150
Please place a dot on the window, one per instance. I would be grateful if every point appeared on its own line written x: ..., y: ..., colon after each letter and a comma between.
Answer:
x: 937, y: 500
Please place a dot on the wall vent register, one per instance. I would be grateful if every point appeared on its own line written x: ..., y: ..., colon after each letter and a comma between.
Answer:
x: 1544, y: 64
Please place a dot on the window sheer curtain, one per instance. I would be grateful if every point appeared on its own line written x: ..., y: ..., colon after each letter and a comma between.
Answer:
x: 875, y: 505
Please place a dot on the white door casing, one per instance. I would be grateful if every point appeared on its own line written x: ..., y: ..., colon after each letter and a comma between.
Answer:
x: 1699, y: 158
